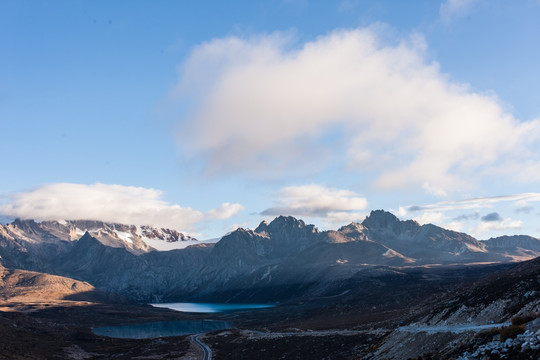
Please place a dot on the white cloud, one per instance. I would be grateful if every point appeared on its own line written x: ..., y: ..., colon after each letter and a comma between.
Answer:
x: 335, y: 206
x: 264, y: 106
x: 109, y: 203
x: 430, y: 218
x: 429, y: 189
x: 336, y: 219
x: 454, y: 226
x: 400, y: 212
x: 226, y: 211
x: 476, y: 203
x: 505, y: 224
x: 454, y: 8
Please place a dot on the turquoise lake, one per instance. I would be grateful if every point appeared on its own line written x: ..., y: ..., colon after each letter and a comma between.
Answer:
x: 177, y: 327
x: 210, y: 307
x: 161, y: 329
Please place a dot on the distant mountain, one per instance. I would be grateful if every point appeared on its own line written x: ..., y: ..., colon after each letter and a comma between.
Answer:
x: 424, y: 243
x: 287, y: 258
x: 135, y: 239
x: 515, y: 248
x: 145, y: 277
x: 115, y: 258
x: 277, y: 260
x: 246, y: 251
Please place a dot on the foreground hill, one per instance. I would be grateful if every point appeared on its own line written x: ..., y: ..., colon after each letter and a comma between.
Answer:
x: 497, y: 297
x: 510, y: 297
x: 23, y: 290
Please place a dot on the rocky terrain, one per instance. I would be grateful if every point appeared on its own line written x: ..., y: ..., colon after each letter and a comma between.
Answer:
x: 382, y: 289
x: 523, y: 346
x: 510, y: 298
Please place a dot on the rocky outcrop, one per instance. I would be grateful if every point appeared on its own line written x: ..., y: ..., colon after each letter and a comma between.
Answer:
x: 523, y: 346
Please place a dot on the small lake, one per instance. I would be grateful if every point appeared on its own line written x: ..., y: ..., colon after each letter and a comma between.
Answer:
x: 161, y: 329
x: 207, y: 308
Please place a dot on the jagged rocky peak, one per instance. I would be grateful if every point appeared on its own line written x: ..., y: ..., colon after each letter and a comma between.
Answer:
x: 168, y: 235
x: 380, y: 219
x: 29, y: 230
x: 352, y: 227
x: 284, y: 223
x: 87, y: 239
x: 237, y: 236
x: 29, y: 226
x: 352, y: 232
x: 4, y: 232
x: 283, y: 237
x: 86, y: 236
x: 239, y: 232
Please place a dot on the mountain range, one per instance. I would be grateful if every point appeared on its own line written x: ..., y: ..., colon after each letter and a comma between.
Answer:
x: 276, y: 261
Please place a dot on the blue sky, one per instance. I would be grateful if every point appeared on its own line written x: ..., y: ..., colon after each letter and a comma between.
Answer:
x: 207, y: 116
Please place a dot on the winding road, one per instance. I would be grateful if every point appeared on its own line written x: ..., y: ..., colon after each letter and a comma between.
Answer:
x: 207, y: 352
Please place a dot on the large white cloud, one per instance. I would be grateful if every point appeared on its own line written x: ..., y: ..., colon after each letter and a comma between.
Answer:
x: 109, y: 203
x: 266, y: 106
x: 503, y: 224
x: 334, y: 206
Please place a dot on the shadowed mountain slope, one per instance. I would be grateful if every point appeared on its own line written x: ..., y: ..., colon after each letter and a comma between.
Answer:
x: 283, y: 254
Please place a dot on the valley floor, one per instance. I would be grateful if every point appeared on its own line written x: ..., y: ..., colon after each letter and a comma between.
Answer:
x: 64, y: 332
x: 432, y: 314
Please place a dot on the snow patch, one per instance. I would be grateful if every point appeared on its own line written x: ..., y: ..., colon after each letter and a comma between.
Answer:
x: 166, y: 246
x: 126, y: 236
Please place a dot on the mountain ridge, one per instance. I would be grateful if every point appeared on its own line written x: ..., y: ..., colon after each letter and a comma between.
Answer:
x: 277, y: 254
x: 137, y: 239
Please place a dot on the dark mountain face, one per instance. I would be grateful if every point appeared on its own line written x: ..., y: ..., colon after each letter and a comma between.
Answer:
x: 282, y: 238
x: 284, y: 254
x: 243, y: 252
x: 144, y: 277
